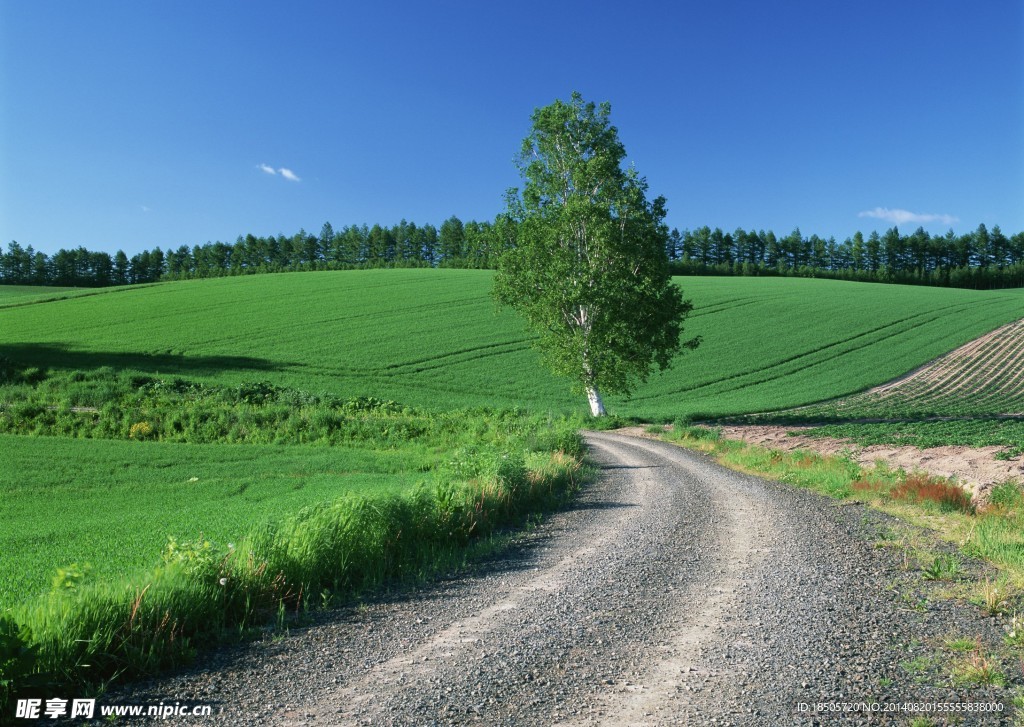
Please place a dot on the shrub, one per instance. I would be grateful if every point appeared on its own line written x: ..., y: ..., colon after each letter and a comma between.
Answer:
x: 922, y: 488
x: 140, y: 430
x: 18, y: 658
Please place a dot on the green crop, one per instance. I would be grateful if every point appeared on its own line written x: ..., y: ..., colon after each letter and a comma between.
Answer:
x: 433, y: 338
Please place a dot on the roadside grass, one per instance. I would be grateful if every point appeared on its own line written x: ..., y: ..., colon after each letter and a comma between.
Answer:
x: 994, y: 532
x: 88, y: 632
x: 167, y: 513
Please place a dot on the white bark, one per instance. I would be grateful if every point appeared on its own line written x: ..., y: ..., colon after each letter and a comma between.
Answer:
x: 593, y: 395
x: 596, y: 404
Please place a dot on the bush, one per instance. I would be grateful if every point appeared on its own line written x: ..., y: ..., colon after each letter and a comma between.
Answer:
x: 140, y: 430
x: 922, y: 488
x: 18, y: 662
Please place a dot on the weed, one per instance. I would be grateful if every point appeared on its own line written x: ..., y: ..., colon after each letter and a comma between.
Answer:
x: 921, y: 488
x: 1017, y: 700
x: 916, y: 665
x: 1007, y: 495
x: 978, y: 669
x: 943, y: 568
x: 868, y: 486
x: 961, y: 643
x: 995, y: 596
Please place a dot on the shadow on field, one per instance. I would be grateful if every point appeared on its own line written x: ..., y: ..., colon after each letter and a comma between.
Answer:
x: 60, y: 356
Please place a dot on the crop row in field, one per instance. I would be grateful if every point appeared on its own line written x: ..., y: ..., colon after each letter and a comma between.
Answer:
x: 980, y: 432
x: 18, y: 294
x: 982, y: 378
x: 433, y: 338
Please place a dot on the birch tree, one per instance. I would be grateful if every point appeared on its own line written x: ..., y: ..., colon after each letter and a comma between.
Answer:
x: 588, y: 267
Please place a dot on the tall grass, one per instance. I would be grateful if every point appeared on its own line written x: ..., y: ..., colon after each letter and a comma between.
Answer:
x: 86, y: 633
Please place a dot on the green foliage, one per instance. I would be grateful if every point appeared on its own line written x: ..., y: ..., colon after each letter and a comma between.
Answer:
x: 942, y: 568
x: 18, y: 661
x: 588, y: 268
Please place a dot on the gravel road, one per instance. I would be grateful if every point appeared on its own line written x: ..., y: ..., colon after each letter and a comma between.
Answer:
x: 673, y: 592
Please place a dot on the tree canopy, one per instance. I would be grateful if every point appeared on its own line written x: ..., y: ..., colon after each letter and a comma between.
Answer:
x: 588, y: 266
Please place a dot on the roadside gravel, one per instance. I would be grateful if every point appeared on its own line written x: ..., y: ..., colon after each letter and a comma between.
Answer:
x: 672, y: 592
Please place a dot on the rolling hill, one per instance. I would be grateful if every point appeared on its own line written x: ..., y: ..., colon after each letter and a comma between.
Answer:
x: 434, y: 338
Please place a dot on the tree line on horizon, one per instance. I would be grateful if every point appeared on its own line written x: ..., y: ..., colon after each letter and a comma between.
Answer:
x: 981, y: 259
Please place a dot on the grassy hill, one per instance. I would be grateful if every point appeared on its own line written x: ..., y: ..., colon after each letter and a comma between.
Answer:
x: 433, y: 338
x: 19, y: 294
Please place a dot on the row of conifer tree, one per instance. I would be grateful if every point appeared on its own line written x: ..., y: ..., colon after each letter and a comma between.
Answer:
x: 980, y: 259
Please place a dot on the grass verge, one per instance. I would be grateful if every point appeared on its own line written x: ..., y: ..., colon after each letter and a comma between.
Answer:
x: 86, y: 634
x: 994, y: 532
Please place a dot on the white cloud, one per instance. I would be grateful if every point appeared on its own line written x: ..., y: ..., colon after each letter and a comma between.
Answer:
x: 283, y: 171
x: 902, y: 217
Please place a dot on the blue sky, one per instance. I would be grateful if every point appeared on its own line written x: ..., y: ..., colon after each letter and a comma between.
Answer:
x: 140, y: 124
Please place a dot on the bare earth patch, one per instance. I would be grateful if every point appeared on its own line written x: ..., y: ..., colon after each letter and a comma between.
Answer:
x: 976, y: 468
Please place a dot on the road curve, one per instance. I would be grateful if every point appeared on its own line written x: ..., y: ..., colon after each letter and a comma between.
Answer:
x: 673, y: 592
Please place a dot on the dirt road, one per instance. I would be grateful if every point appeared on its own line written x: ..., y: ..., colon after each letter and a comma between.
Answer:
x: 673, y: 592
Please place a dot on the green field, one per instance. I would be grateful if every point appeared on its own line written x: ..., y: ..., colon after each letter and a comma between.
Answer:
x: 433, y: 338
x: 114, y: 503
x: 17, y: 294
x: 988, y: 432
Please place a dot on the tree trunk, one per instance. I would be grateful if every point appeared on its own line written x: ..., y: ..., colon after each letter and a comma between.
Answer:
x: 596, y: 404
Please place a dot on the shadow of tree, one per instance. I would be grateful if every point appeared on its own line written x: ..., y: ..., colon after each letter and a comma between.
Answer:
x: 61, y: 356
